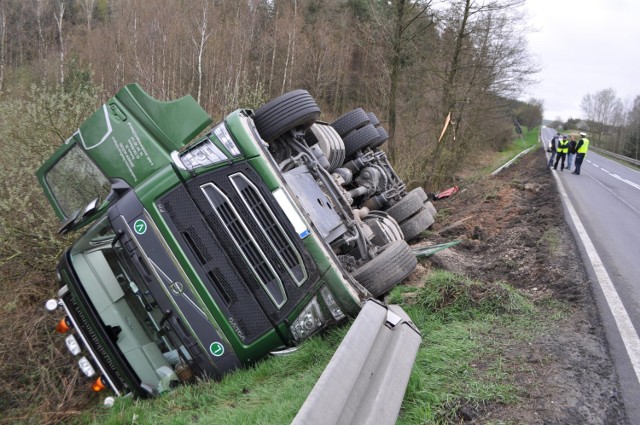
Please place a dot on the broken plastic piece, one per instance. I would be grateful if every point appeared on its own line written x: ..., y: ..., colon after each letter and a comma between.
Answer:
x: 430, y: 250
x: 447, y: 193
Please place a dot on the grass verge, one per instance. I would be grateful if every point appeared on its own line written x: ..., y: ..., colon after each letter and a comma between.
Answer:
x: 467, y: 328
x: 529, y: 138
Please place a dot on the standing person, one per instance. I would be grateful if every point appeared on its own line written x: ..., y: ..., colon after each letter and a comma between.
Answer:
x: 552, y: 148
x: 563, y: 148
x: 581, y: 151
x: 572, y: 152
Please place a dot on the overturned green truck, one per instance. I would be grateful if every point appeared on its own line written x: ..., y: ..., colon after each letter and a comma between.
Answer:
x: 204, y: 254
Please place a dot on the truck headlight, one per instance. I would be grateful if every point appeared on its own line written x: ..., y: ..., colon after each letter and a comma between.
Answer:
x: 225, y: 138
x: 202, y: 154
x: 331, y: 304
x: 85, y: 366
x: 205, y: 152
x: 309, y: 321
x: 72, y: 345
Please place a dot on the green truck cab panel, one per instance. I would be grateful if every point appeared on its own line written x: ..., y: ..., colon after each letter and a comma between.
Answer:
x: 130, y: 138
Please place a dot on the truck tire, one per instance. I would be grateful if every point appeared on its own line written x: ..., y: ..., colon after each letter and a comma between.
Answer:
x: 417, y: 224
x: 384, y: 227
x: 350, y: 121
x: 294, y: 110
x: 383, y: 136
x: 428, y: 205
x: 425, y: 199
x: 390, y: 267
x: 373, y: 119
x: 410, y: 204
x: 359, y: 139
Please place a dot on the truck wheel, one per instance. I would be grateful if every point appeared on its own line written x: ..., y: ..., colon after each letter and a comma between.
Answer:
x: 373, y: 119
x: 350, y: 121
x: 293, y: 110
x: 385, y: 229
x: 329, y: 142
x: 428, y: 205
x: 410, y: 204
x: 425, y: 199
x: 417, y: 224
x: 383, y: 136
x: 390, y: 267
x: 359, y: 139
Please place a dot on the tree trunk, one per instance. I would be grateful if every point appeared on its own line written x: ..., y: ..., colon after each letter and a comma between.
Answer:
x: 449, y: 99
x: 396, y: 53
x: 3, y: 48
x: 200, y: 45
x: 59, y: 18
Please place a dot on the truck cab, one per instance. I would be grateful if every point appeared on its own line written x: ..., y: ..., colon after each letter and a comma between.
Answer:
x: 204, y: 249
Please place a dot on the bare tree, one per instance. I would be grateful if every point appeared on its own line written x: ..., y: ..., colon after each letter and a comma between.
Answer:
x: 3, y: 44
x: 58, y: 16
x: 408, y: 20
x: 632, y: 143
x: 42, y: 43
x: 200, y: 43
x: 488, y: 61
x: 291, y: 44
x: 87, y: 7
x: 601, y: 109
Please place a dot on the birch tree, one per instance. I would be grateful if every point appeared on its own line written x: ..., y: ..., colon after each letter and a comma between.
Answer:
x: 87, y: 7
x: 200, y: 42
x: 3, y: 44
x: 58, y: 16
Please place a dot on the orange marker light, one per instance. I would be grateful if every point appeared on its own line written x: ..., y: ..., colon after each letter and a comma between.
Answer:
x: 63, y: 325
x: 98, y: 385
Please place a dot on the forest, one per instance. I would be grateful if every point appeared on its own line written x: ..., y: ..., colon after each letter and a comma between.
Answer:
x: 442, y: 76
x: 413, y: 63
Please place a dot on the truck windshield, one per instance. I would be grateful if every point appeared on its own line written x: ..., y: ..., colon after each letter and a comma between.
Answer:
x: 75, y: 181
x: 127, y: 309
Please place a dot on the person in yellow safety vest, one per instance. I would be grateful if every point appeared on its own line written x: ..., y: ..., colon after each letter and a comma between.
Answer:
x: 563, y: 148
x: 581, y: 151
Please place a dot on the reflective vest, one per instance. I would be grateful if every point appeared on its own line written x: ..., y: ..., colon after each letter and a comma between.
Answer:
x: 563, y: 146
x: 585, y: 145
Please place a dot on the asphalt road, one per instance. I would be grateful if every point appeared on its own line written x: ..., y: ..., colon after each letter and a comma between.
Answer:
x: 605, y: 197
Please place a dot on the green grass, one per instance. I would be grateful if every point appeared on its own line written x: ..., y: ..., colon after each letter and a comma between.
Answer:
x: 530, y: 137
x: 466, y: 327
x: 551, y: 238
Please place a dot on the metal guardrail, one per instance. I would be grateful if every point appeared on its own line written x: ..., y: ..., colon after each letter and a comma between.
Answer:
x: 365, y: 381
x: 616, y: 155
x: 512, y: 160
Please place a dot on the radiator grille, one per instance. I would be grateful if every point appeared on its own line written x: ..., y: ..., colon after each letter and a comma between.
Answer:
x: 242, y: 245
x: 270, y: 226
x: 256, y: 259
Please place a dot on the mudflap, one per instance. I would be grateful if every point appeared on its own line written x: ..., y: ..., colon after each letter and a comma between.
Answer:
x: 365, y: 381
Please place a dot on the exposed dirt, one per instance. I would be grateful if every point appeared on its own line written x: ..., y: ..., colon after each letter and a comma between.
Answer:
x: 518, y: 235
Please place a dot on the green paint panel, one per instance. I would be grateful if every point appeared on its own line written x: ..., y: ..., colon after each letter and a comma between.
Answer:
x: 131, y: 137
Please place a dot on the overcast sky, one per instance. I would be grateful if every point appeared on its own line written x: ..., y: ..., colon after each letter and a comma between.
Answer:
x: 583, y: 46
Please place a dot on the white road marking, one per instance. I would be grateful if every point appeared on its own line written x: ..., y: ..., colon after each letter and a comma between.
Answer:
x: 615, y: 176
x: 623, y: 180
x: 617, y: 163
x: 620, y: 316
x: 614, y: 194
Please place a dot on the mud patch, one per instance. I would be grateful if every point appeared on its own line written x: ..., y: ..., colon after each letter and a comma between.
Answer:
x: 518, y: 235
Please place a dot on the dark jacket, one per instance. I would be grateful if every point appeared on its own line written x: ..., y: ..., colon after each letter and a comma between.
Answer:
x: 572, y: 146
